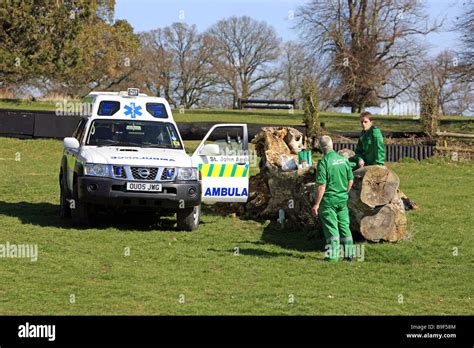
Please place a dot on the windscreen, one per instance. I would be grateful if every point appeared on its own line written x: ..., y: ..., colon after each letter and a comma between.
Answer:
x: 134, y: 133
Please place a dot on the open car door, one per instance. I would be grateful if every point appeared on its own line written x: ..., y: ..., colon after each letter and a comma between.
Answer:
x: 222, y: 158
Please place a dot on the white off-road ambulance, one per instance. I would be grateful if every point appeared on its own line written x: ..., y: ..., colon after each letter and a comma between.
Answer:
x: 126, y: 154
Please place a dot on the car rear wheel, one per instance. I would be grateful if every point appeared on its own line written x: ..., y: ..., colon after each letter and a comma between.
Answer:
x: 188, y: 218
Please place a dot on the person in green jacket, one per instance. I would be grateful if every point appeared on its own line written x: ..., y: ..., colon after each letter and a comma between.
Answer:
x: 334, y: 178
x: 370, y: 147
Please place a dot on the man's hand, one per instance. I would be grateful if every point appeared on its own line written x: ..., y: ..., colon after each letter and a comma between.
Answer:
x: 361, y: 163
x: 314, y: 210
x: 349, y: 185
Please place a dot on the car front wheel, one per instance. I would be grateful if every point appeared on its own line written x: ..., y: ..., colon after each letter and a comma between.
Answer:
x: 82, y: 214
x: 64, y: 208
x: 188, y: 218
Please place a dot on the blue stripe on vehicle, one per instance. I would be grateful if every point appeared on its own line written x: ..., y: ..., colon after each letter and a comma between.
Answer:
x: 233, y: 170
x: 245, y: 170
x: 211, y: 167
x: 222, y: 170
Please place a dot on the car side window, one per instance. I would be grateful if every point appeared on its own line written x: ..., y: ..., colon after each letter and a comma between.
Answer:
x: 79, y: 132
x: 76, y: 130
x: 229, y: 139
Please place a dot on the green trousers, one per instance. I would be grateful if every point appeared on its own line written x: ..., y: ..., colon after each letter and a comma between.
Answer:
x: 336, y: 230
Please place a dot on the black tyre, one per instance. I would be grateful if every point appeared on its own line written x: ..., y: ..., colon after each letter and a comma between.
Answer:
x: 64, y: 208
x: 188, y: 218
x: 81, y: 213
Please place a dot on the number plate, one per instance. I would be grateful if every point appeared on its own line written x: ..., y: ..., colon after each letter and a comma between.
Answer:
x: 143, y: 187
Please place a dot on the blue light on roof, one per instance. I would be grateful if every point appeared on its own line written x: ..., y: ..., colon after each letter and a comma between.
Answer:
x: 108, y: 107
x: 157, y: 110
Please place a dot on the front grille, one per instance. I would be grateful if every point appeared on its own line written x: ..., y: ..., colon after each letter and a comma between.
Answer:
x: 143, y: 170
x: 119, y: 172
x: 168, y: 174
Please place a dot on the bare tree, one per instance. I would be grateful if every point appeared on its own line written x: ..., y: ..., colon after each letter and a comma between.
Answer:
x: 245, y: 48
x: 294, y: 67
x: 465, y: 68
x: 192, y: 54
x: 179, y: 64
x: 366, y: 45
x: 453, y: 94
x: 157, y: 70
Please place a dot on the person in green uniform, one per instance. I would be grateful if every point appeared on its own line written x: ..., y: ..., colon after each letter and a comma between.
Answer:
x: 334, y: 178
x: 370, y: 147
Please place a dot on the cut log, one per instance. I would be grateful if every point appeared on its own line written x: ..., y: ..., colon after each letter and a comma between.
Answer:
x: 388, y: 224
x: 375, y: 227
x: 378, y: 185
x: 399, y: 231
x: 376, y: 208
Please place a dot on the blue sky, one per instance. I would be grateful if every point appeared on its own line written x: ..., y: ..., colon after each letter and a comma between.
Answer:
x: 151, y: 14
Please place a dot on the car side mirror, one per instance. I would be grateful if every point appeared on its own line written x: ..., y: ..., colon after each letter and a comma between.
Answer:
x: 71, y: 143
x: 210, y: 150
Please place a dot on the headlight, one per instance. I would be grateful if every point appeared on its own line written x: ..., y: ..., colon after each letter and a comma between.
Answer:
x: 94, y: 169
x: 187, y: 174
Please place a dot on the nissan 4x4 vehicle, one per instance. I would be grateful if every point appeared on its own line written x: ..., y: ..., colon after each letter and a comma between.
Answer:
x: 126, y: 154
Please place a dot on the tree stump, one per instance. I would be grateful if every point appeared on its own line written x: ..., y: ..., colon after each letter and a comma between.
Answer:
x: 290, y: 190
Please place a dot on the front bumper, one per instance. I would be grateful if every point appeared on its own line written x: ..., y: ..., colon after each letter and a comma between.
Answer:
x: 112, y: 193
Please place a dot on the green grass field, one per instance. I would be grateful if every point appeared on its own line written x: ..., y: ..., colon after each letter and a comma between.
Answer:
x: 176, y: 273
x: 334, y: 121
